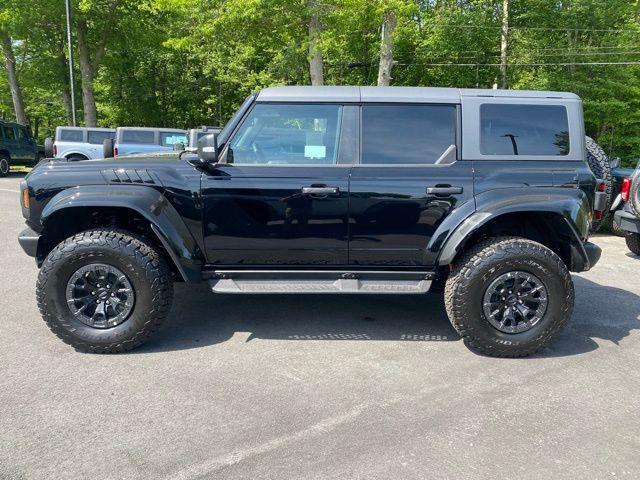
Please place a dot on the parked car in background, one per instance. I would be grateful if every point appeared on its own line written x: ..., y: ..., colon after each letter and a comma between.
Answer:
x: 618, y: 174
x: 79, y: 143
x: 17, y: 147
x: 136, y: 140
x: 627, y: 219
x: 195, y: 134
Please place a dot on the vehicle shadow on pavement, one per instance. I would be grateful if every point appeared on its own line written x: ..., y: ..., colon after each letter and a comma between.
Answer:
x: 601, y: 313
x: 199, y: 318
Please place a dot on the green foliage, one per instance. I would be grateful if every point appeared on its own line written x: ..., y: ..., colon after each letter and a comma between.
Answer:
x: 182, y: 63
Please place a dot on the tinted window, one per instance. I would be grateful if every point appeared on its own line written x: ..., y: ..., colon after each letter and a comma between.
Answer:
x: 170, y: 138
x: 9, y: 134
x: 22, y: 133
x: 524, y: 130
x: 407, y: 134
x: 97, y: 137
x: 288, y: 134
x: 138, y: 136
x: 71, y: 135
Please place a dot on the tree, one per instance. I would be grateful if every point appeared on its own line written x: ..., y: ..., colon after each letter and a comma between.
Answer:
x: 386, y: 48
x: 12, y: 76
x: 504, y: 39
x: 316, y: 69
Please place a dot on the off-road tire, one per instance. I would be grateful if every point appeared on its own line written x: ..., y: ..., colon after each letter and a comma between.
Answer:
x: 5, y: 165
x: 634, y: 193
x: 474, y: 272
x: 146, y: 269
x: 601, y: 167
x: 633, y: 242
x: 615, y: 229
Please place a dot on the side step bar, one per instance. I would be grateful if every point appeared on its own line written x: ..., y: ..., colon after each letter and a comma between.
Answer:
x: 321, y: 281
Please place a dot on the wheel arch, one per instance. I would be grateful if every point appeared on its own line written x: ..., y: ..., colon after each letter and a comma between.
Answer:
x: 558, y: 220
x: 138, y: 209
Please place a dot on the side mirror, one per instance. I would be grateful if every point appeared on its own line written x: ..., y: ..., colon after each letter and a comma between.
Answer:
x: 48, y: 148
x: 208, y: 148
x: 615, y: 163
x: 178, y: 147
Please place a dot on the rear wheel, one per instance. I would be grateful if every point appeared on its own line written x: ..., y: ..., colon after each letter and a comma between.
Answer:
x: 5, y: 165
x: 615, y: 229
x: 104, y: 291
x: 76, y: 158
x: 633, y: 242
x: 509, y: 297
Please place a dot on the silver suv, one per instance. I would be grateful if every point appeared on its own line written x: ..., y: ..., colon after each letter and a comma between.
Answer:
x: 80, y: 143
x: 136, y: 140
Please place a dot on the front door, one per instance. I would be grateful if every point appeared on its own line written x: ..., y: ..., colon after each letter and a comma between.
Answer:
x: 281, y: 194
x: 408, y: 180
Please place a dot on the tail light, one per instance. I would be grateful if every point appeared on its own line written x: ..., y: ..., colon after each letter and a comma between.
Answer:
x: 55, y: 150
x: 626, y: 189
x: 115, y: 151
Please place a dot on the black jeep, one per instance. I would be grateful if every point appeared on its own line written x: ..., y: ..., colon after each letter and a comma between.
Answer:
x: 356, y: 190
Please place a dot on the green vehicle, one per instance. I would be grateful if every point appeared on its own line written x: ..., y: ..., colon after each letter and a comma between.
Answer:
x: 17, y: 147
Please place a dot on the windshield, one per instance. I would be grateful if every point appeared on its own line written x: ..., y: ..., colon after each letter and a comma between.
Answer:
x: 226, y: 131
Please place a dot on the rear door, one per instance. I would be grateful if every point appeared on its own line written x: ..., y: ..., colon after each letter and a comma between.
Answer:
x: 282, y: 196
x: 408, y: 181
x: 26, y: 144
x: 95, y: 140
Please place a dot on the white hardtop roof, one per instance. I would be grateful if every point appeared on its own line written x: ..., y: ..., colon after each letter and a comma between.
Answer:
x: 153, y: 129
x: 394, y: 94
x: 100, y: 129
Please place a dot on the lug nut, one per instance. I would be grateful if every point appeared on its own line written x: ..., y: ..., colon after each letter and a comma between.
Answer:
x: 98, y: 285
x: 113, y: 295
x: 97, y: 301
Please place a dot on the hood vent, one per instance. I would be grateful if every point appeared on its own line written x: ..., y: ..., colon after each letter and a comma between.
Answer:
x: 128, y: 175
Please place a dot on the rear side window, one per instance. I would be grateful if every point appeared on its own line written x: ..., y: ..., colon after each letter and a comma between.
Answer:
x: 22, y: 133
x: 138, y: 136
x: 171, y: 138
x: 407, y: 134
x: 70, y: 135
x: 524, y: 130
x: 97, y: 137
x: 9, y: 133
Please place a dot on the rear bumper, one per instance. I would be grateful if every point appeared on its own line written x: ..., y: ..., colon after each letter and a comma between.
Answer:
x: 28, y: 240
x: 627, y: 221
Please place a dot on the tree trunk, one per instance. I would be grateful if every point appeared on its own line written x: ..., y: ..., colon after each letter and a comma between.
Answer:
x: 14, y: 84
x: 386, y: 49
x: 315, y: 52
x: 86, y: 74
x: 504, y: 44
x: 63, y: 66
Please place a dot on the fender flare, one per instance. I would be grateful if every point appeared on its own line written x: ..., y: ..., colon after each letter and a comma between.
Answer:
x: 572, y: 205
x: 152, y: 205
x: 67, y: 153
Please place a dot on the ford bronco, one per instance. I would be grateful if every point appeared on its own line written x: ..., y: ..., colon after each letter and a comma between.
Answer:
x: 485, y: 194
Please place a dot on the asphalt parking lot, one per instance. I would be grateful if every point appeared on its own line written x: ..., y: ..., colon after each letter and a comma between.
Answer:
x: 316, y: 387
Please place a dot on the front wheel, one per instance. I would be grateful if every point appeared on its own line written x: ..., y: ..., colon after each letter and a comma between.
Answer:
x: 104, y: 291
x: 5, y: 166
x: 509, y: 297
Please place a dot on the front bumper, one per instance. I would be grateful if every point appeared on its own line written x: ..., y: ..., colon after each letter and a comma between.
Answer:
x: 29, y: 241
x: 627, y: 221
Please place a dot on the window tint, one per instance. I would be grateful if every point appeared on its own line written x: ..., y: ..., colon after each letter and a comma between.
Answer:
x: 170, y: 138
x: 524, y: 130
x: 288, y: 134
x: 97, y: 137
x: 407, y: 134
x: 22, y: 133
x: 71, y: 135
x: 9, y: 133
x: 138, y: 136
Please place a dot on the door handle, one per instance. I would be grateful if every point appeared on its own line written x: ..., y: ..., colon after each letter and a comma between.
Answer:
x: 320, y: 190
x: 444, y: 190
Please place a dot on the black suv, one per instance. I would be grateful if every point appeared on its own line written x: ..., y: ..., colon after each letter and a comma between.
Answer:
x: 627, y: 220
x: 360, y: 190
x: 17, y: 147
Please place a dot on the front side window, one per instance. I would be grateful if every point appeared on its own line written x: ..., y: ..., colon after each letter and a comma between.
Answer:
x: 509, y: 129
x: 407, y: 134
x: 98, y: 137
x: 287, y: 134
x: 70, y: 135
x: 168, y: 139
x: 9, y: 133
x: 138, y: 136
